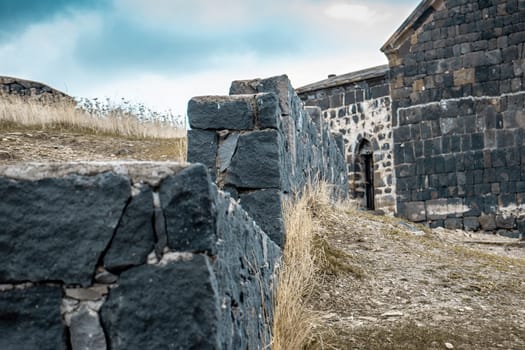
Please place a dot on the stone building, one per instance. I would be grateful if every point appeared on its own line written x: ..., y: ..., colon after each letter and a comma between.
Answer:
x: 358, y: 105
x: 453, y: 122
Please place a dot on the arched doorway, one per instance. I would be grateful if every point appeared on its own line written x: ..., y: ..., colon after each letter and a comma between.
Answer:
x: 366, y: 162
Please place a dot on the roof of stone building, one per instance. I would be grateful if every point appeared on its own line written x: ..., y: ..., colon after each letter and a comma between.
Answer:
x: 344, y: 79
x: 412, y: 23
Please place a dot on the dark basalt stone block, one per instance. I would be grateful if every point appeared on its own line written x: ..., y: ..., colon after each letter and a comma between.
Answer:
x: 30, y: 319
x: 175, y: 306
x: 222, y: 112
x: 135, y: 237
x: 256, y: 164
x: 56, y: 229
x: 187, y: 200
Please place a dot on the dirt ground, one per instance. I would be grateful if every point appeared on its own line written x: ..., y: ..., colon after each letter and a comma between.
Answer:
x: 20, y: 144
x: 401, y: 286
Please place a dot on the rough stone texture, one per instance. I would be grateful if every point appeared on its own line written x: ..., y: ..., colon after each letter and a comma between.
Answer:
x: 30, y: 319
x: 256, y: 162
x: 414, y: 212
x: 283, y: 151
x: 187, y: 202
x: 267, y: 110
x: 279, y: 85
x: 507, y: 222
x: 86, y: 332
x: 471, y: 224
x: 487, y: 222
x: 265, y: 207
x: 215, y: 291
x: 62, y: 241
x: 135, y: 237
x: 175, y: 306
x: 227, y: 149
x: 358, y: 106
x: 246, y: 276
x: 456, y: 79
x: 33, y: 89
x: 202, y: 148
x: 219, y: 112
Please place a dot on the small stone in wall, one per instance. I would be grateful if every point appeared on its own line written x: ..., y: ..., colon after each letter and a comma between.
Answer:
x: 85, y: 331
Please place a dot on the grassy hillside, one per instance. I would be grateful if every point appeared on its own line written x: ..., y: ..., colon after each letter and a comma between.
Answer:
x: 34, y: 131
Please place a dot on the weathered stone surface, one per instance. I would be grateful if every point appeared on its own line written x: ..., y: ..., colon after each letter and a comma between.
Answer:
x: 316, y: 116
x: 202, y: 148
x: 505, y: 221
x: 487, y: 222
x: 454, y: 224
x: 246, y: 276
x: 268, y: 110
x: 240, y: 87
x: 521, y: 226
x: 134, y: 238
x: 160, y: 231
x: 56, y: 229
x: 415, y: 211
x: 222, y: 112
x: 137, y: 171
x: 471, y: 224
x: 187, y: 200
x: 509, y: 233
x: 437, y: 209
x: 265, y: 208
x: 85, y: 331
x: 174, y: 306
x: 106, y: 277
x: 30, y: 319
x: 91, y: 293
x: 256, y: 162
x: 227, y: 150
x: 281, y: 86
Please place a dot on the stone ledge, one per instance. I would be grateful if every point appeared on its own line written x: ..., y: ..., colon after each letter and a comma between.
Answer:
x: 137, y: 171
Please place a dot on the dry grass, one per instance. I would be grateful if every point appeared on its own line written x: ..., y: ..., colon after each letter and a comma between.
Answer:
x: 64, y: 115
x: 353, y: 280
x: 293, y: 321
x: 307, y: 257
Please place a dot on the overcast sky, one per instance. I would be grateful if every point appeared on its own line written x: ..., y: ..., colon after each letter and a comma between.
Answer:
x: 163, y: 52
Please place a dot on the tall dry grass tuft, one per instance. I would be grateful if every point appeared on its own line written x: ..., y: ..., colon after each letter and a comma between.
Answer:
x: 65, y: 115
x: 294, y: 323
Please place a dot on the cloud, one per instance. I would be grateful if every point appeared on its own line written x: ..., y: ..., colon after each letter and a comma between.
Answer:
x: 355, y: 12
x: 124, y: 43
x: 16, y: 16
x: 165, y: 51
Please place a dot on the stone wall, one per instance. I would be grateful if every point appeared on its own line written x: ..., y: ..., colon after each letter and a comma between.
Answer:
x: 457, y: 83
x: 357, y: 105
x: 261, y: 146
x: 26, y: 88
x: 129, y: 256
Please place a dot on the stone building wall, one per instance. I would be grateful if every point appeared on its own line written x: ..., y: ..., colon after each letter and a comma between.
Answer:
x: 358, y: 106
x: 261, y: 146
x: 457, y: 82
x: 130, y: 256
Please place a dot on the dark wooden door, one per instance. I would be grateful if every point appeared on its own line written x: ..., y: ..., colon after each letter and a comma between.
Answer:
x: 369, y: 181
